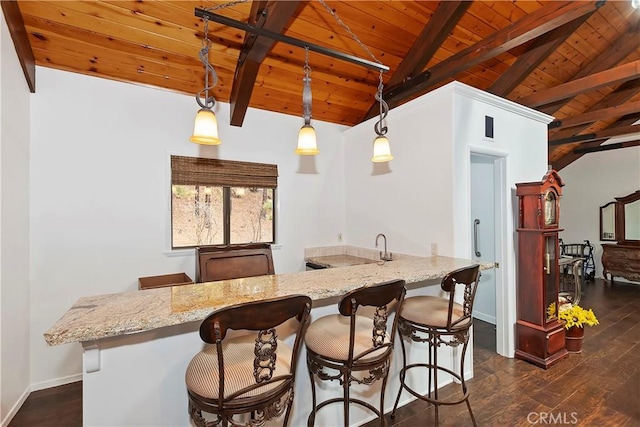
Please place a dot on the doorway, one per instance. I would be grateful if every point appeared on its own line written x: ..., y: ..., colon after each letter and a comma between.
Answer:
x: 487, y: 182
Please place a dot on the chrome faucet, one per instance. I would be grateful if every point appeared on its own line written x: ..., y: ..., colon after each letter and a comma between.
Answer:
x: 386, y: 256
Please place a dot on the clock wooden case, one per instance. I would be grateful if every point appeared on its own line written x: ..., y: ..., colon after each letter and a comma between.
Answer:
x: 540, y: 337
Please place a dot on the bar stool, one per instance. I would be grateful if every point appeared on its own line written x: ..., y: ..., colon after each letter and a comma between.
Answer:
x: 249, y: 373
x: 342, y: 344
x: 439, y: 321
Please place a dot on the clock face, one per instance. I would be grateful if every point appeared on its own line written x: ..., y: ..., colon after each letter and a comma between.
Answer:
x: 550, y: 208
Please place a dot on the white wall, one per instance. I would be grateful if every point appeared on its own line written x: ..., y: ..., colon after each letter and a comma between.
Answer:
x: 594, y: 180
x: 410, y: 198
x: 99, y: 193
x: 520, y: 144
x: 14, y: 230
x: 423, y: 195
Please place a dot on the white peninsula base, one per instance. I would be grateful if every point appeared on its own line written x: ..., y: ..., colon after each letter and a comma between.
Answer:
x: 139, y: 379
x: 137, y: 344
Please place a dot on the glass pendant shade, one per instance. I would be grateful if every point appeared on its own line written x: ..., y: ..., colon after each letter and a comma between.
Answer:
x: 205, y: 128
x: 307, y: 145
x: 635, y: 4
x: 381, y: 150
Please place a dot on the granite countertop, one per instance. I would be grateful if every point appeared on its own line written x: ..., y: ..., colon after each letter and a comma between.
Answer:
x: 103, y: 316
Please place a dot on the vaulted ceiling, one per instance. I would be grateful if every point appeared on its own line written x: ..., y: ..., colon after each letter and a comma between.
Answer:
x: 576, y: 60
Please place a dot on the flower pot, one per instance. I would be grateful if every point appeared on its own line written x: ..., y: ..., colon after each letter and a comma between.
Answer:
x: 573, y: 339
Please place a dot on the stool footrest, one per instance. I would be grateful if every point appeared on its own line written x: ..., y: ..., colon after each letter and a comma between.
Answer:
x: 426, y: 398
x: 321, y: 405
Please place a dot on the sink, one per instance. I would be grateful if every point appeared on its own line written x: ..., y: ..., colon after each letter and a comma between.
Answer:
x: 332, y: 261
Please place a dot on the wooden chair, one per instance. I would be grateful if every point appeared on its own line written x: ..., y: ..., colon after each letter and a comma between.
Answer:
x: 247, y: 373
x: 341, y: 345
x: 439, y: 321
x: 222, y: 262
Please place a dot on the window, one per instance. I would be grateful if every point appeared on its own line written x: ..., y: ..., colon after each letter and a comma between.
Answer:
x: 221, y: 202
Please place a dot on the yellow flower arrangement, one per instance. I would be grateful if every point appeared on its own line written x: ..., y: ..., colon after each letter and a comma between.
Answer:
x: 574, y: 315
x: 551, y: 310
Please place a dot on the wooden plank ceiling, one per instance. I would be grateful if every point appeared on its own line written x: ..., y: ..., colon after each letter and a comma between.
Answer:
x: 578, y: 61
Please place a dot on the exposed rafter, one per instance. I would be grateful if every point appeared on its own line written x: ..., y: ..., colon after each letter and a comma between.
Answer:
x: 541, y: 48
x: 596, y: 81
x: 571, y: 157
x: 434, y: 33
x: 20, y: 41
x: 543, y: 20
x: 622, y: 47
x: 598, y: 136
x: 621, y: 95
x: 272, y: 16
x: 595, y: 115
x: 442, y: 22
x: 607, y: 147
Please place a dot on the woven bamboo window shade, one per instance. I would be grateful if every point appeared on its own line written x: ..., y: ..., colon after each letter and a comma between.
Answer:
x: 223, y: 173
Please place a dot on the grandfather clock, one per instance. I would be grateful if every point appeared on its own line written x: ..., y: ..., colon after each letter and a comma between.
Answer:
x: 539, y: 334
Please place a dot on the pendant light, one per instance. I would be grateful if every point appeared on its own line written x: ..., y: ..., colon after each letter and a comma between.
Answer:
x: 205, y: 128
x: 381, y: 149
x: 307, y: 145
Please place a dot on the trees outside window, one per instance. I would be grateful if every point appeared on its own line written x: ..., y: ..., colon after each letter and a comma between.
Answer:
x: 205, y: 211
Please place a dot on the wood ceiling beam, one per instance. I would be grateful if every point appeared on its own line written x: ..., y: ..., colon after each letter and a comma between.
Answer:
x: 598, y: 136
x: 618, y: 97
x: 621, y: 95
x: 607, y: 147
x: 620, y: 74
x: 595, y: 115
x: 620, y: 49
x: 21, y: 41
x: 272, y: 16
x: 573, y: 156
x: 434, y: 33
x: 549, y: 17
x: 541, y: 48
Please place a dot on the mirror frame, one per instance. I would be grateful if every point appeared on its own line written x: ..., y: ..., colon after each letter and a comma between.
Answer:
x: 620, y: 203
x: 615, y: 215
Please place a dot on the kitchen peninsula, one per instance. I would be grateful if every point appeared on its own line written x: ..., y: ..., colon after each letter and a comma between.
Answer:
x: 137, y: 344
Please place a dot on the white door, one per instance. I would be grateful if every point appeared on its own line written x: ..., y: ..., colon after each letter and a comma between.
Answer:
x: 483, y: 229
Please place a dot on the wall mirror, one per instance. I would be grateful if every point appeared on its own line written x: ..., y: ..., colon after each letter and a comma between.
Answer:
x: 608, y: 222
x: 628, y: 219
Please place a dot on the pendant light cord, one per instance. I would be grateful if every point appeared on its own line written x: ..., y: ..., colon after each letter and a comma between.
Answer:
x: 384, y: 110
x: 209, y: 100
x: 384, y: 107
x: 306, y: 91
x: 348, y: 30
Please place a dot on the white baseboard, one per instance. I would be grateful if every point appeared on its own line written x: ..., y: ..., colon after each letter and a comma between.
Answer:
x: 485, y: 317
x: 56, y: 382
x: 14, y: 410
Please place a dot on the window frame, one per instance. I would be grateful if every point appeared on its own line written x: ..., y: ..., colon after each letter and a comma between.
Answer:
x: 239, y: 174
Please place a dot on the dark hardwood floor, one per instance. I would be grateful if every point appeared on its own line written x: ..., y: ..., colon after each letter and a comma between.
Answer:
x: 58, y: 406
x: 600, y: 387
